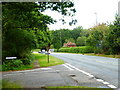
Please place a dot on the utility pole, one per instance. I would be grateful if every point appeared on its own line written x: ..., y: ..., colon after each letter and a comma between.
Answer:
x: 119, y: 8
x: 96, y: 17
x: 60, y: 39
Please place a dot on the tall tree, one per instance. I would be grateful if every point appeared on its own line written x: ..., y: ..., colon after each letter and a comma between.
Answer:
x: 23, y: 22
x: 75, y: 33
x: 114, y: 36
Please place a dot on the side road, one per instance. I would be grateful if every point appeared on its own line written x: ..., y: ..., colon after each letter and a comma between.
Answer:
x: 59, y: 75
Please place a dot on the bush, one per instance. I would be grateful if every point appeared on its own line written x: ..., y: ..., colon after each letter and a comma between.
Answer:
x: 28, y: 59
x: 82, y: 49
x: 11, y: 64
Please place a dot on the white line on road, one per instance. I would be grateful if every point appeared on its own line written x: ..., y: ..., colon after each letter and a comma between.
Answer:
x: 88, y: 74
x: 99, y: 80
x: 67, y: 67
x: 112, y: 86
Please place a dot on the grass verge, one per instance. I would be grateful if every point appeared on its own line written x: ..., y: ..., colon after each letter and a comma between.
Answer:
x: 76, y: 88
x: 10, y: 85
x: 92, y: 54
x: 43, y: 60
x: 103, y: 55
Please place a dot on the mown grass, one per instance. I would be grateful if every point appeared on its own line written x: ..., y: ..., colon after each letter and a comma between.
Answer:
x: 75, y: 88
x: 43, y: 60
x: 92, y: 54
x: 36, y: 50
x: 103, y: 55
x: 7, y: 84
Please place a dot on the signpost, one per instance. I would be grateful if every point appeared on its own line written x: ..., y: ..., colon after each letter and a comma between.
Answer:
x: 48, y: 56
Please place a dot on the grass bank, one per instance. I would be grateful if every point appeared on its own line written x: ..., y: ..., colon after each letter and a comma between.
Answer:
x: 43, y: 60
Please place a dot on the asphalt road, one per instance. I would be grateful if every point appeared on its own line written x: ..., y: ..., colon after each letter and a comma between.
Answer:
x: 100, y: 67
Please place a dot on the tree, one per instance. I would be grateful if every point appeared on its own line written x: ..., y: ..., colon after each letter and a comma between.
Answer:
x: 114, y: 36
x: 75, y: 33
x: 97, y: 38
x: 25, y: 26
x: 70, y: 40
x: 81, y: 41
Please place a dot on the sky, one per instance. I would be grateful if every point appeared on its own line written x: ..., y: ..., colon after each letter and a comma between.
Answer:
x: 87, y: 13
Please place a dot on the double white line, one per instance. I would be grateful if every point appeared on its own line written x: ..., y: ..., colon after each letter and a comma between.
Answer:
x: 70, y: 67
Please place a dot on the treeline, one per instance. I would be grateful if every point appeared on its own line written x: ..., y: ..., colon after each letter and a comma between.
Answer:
x: 103, y: 38
x: 26, y: 28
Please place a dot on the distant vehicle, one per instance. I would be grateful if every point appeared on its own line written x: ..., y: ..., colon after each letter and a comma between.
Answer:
x: 39, y: 51
x: 43, y: 51
x: 51, y: 50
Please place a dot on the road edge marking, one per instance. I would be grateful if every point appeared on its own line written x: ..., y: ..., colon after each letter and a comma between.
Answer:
x: 90, y: 75
x: 67, y: 66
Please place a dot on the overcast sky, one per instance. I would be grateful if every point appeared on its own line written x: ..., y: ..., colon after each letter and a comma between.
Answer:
x: 85, y: 15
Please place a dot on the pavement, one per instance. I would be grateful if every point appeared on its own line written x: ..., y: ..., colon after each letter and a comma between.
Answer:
x: 59, y: 75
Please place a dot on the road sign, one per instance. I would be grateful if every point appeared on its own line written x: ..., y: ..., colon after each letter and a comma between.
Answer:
x: 47, y: 53
x: 11, y: 57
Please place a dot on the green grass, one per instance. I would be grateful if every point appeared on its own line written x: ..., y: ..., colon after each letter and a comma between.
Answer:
x: 76, y: 88
x: 10, y: 85
x: 36, y: 50
x: 92, y: 54
x: 103, y: 55
x: 43, y: 60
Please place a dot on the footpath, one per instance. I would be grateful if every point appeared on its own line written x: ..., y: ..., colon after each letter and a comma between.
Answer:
x: 60, y: 75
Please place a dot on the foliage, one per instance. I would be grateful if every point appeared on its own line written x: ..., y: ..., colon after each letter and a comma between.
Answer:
x: 70, y: 40
x: 15, y: 65
x: 81, y: 41
x: 97, y: 38
x: 76, y: 32
x: 17, y: 43
x: 82, y: 49
x: 25, y: 27
x: 59, y: 37
x: 11, y: 65
x: 113, y: 38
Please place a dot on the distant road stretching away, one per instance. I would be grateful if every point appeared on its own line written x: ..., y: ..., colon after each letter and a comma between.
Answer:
x: 101, y: 67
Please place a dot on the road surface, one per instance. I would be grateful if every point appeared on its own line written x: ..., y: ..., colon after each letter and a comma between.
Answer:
x: 100, y: 67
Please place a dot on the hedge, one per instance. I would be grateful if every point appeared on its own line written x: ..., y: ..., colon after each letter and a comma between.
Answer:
x: 82, y: 49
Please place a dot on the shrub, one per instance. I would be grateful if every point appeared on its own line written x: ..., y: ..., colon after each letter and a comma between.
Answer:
x: 28, y: 59
x: 82, y: 49
x: 11, y: 64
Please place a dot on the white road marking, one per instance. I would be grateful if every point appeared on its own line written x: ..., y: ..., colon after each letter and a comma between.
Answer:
x: 67, y: 67
x: 105, y: 82
x: 11, y: 74
x: 88, y: 74
x: 99, y: 80
x: 45, y: 68
x: 112, y: 86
